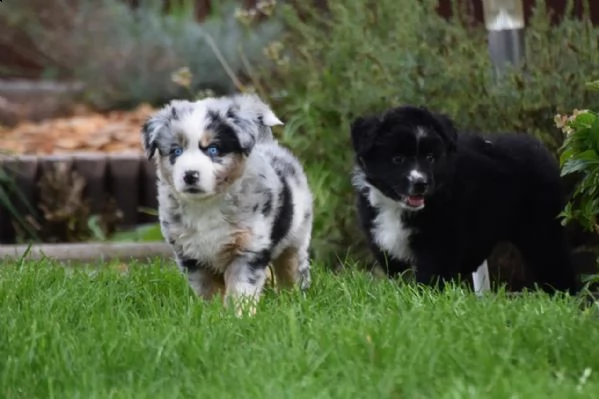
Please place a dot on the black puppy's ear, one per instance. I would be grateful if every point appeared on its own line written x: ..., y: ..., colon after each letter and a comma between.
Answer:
x: 448, y: 130
x: 363, y: 132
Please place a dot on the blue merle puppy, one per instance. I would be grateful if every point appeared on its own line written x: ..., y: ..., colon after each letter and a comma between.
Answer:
x: 231, y: 199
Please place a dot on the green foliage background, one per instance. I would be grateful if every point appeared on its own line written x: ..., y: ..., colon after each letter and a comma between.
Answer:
x: 361, y: 57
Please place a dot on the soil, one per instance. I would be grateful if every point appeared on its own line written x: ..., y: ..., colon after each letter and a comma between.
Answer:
x: 84, y: 131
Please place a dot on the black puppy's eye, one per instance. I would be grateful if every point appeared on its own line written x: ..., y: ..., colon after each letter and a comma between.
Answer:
x: 430, y: 157
x: 397, y: 159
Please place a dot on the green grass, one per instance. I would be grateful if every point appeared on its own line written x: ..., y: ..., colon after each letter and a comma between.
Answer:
x: 73, y: 334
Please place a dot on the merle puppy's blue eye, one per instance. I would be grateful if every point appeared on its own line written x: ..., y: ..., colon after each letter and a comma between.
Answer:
x: 212, y: 151
x: 177, y: 151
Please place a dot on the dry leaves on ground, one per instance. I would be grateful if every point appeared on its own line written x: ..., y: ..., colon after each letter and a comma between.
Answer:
x: 115, y: 131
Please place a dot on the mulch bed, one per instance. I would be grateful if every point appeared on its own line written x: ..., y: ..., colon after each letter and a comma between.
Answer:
x: 85, y: 130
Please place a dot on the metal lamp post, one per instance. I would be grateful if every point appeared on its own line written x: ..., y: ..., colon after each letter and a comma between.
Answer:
x: 504, y: 20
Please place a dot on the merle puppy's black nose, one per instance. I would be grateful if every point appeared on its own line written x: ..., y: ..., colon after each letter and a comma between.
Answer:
x: 191, y: 177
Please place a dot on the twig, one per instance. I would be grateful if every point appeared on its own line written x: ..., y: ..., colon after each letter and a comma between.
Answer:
x: 250, y: 72
x: 223, y: 62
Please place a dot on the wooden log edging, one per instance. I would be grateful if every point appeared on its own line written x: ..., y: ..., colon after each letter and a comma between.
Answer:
x: 128, y: 178
x: 87, y: 252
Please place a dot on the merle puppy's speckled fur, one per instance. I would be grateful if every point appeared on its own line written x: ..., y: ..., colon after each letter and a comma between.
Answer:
x: 231, y: 199
x: 440, y: 201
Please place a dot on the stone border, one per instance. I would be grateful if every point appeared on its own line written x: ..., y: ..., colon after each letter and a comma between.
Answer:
x: 87, y: 252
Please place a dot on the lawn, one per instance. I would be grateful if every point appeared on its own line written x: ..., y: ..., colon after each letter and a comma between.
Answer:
x: 76, y: 334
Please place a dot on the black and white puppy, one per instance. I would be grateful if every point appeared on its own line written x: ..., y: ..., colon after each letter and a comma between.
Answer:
x: 440, y: 201
x: 231, y: 199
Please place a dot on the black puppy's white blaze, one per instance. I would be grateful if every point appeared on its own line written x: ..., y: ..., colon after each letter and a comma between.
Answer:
x: 231, y: 199
x: 439, y: 201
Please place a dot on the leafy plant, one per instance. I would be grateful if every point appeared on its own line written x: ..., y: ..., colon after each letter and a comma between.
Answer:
x: 11, y: 198
x: 580, y: 155
x: 145, y: 232
x: 66, y: 213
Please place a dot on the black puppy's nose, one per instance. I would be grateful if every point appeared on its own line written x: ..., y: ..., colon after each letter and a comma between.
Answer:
x: 191, y: 177
x: 419, y: 187
x: 418, y: 184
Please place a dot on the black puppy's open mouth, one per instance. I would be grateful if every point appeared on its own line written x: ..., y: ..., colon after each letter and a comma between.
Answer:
x: 414, y: 201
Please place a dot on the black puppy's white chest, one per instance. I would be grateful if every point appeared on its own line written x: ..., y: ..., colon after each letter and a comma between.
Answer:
x: 390, y: 231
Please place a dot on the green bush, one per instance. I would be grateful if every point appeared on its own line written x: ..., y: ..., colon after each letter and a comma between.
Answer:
x: 125, y: 56
x: 360, y: 57
x: 580, y: 155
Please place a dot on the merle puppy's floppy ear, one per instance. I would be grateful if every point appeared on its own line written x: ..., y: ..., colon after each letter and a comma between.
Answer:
x: 252, y: 107
x: 158, y: 124
x: 151, y: 130
x: 448, y: 130
x: 363, y: 131
x: 253, y: 117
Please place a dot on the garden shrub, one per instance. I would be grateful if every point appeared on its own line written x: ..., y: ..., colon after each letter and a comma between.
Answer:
x: 360, y: 57
x: 125, y: 56
x: 579, y: 155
